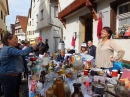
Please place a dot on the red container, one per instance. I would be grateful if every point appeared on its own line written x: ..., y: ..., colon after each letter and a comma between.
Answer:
x: 33, y: 59
x: 61, y: 65
x: 114, y: 73
x: 86, y: 72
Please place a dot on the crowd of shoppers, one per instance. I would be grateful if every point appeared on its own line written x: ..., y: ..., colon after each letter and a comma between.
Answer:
x: 12, y: 61
x: 12, y: 55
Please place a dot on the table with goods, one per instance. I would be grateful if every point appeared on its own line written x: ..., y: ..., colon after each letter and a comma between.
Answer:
x: 75, y: 76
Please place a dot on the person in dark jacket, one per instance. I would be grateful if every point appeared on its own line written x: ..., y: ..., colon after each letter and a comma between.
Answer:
x: 46, y: 43
x: 91, y: 48
x: 41, y: 47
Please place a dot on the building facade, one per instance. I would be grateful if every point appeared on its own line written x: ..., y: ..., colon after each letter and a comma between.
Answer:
x: 81, y: 17
x: 45, y: 22
x: 29, y: 32
x: 12, y: 28
x: 20, y: 27
x: 4, y: 11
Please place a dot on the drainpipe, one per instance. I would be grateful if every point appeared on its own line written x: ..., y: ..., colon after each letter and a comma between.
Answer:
x: 52, y: 23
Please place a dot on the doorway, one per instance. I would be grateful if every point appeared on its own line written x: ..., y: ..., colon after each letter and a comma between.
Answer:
x: 88, y: 28
x: 56, y: 40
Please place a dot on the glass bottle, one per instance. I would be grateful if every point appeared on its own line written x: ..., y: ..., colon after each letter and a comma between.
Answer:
x: 67, y: 90
x: 77, y: 90
x: 60, y: 88
x: 54, y: 88
x: 49, y: 92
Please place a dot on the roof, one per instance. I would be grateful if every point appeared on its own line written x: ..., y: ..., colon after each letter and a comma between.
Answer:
x: 7, y: 6
x: 23, y: 22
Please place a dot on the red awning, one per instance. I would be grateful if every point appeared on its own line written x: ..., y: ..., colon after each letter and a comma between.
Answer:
x: 99, y: 25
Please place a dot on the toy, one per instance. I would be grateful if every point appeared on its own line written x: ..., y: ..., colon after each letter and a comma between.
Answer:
x: 32, y: 94
x: 127, y: 33
x: 123, y: 30
x: 33, y: 86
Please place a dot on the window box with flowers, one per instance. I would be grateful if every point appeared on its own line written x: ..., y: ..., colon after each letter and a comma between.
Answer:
x: 123, y: 21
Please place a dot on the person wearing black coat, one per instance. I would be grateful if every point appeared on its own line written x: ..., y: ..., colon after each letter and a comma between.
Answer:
x: 46, y: 43
x: 41, y: 47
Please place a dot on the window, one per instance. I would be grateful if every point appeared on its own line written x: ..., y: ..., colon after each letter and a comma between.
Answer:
x: 41, y: 14
x: 20, y: 30
x: 1, y: 14
x: 55, y: 11
x: 37, y: 18
x: 32, y: 22
x: 123, y: 15
x: 32, y: 33
x: 124, y: 8
x: 33, y: 3
x: 4, y: 18
x: 123, y: 20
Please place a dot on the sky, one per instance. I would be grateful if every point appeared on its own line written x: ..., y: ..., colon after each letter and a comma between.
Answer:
x: 17, y: 7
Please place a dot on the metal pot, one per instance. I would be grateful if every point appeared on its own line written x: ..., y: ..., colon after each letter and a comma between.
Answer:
x: 61, y: 45
x: 99, y: 88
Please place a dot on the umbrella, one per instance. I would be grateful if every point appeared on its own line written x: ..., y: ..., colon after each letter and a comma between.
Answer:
x: 99, y: 26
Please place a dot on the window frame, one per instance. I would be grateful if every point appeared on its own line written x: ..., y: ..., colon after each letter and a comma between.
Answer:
x: 32, y: 22
x: 42, y: 14
x: 55, y: 14
x: 123, y: 5
x: 1, y: 14
x: 33, y: 3
x: 37, y: 18
x: 122, y: 16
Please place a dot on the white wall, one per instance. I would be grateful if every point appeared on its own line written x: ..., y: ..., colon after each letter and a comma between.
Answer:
x: 49, y: 33
x: 64, y: 3
x: 29, y: 28
x: 55, y: 20
x: 104, y: 6
x: 124, y: 43
x: 72, y: 25
x: 21, y: 37
x: 36, y: 10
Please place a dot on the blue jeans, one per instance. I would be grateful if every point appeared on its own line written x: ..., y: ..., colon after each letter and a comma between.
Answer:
x: 9, y: 84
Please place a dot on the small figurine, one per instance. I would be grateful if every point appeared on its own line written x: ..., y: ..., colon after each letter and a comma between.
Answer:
x: 61, y: 56
x: 32, y: 94
x: 33, y: 86
x: 127, y: 33
x: 123, y: 30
